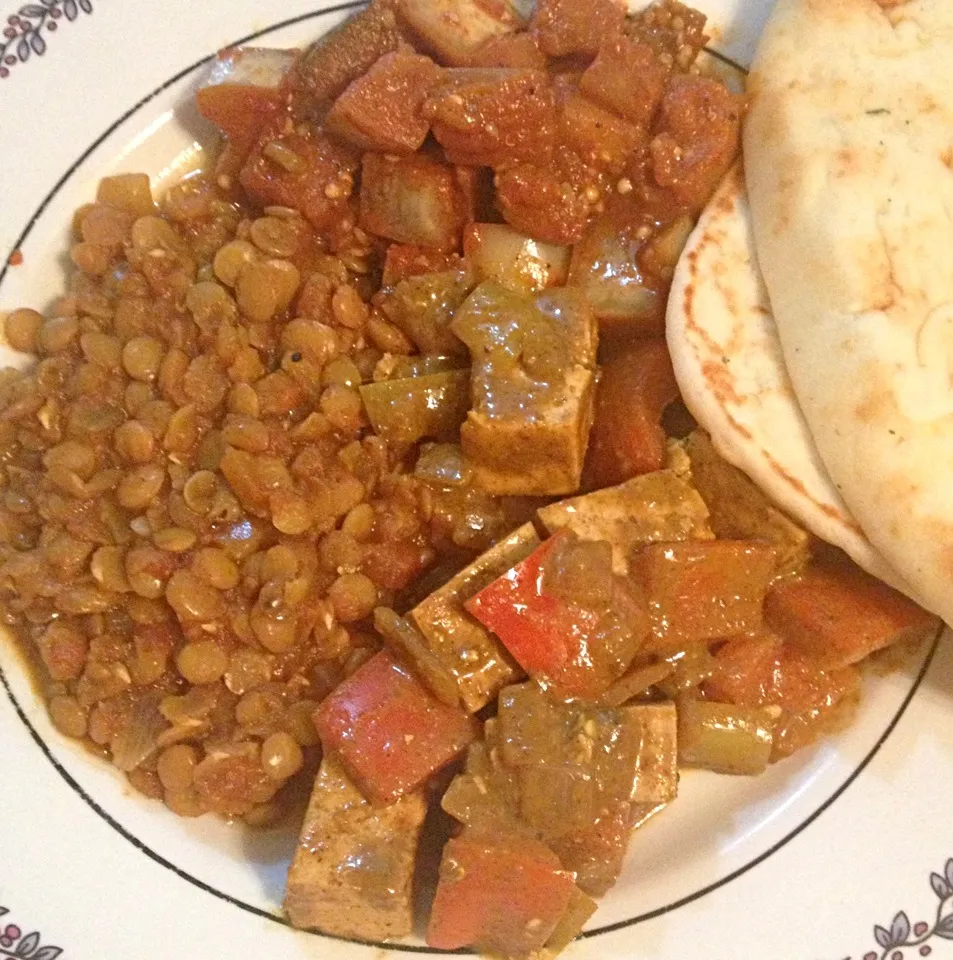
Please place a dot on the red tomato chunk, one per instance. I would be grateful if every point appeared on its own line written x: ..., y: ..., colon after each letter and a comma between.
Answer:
x: 839, y: 615
x: 391, y: 733
x: 699, y: 591
x: 498, y: 892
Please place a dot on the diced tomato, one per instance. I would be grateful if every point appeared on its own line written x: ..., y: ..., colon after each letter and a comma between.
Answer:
x: 556, y: 640
x: 599, y: 138
x: 511, y: 50
x: 404, y: 260
x: 390, y: 732
x: 494, y: 118
x: 576, y: 26
x: 761, y: 670
x: 627, y: 77
x: 381, y: 110
x: 498, y: 893
x: 596, y: 853
x: 627, y: 438
x: 838, y: 614
x: 699, y: 590
x: 240, y: 111
x: 698, y: 129
x: 307, y: 171
x: 534, y: 199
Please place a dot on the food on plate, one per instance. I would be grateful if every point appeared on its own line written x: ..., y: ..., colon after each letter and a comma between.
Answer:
x: 731, y: 373
x: 359, y: 456
x: 847, y: 168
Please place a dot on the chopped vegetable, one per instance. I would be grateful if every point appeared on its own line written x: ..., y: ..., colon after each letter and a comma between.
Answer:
x: 533, y: 363
x: 724, y: 737
x: 646, y: 509
x: 341, y: 56
x: 423, y: 307
x: 602, y: 140
x: 596, y: 853
x: 493, y: 117
x: 413, y: 200
x: 607, y: 264
x: 699, y: 123
x: 303, y: 169
x: 578, y: 644
x: 762, y: 670
x: 739, y: 510
x: 576, y: 26
x: 518, y: 262
x: 581, y: 908
x: 396, y: 367
x: 390, y: 732
x: 243, y: 91
x: 534, y: 200
x: 404, y: 260
x: 635, y: 387
x: 701, y: 591
x: 510, y: 50
x: 498, y: 892
x: 405, y: 411
x: 627, y: 77
x: 838, y: 615
x: 638, y: 680
x: 352, y: 871
x: 480, y: 664
x: 381, y: 110
x: 456, y: 29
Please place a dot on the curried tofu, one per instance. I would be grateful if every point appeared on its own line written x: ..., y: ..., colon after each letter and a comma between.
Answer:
x: 381, y: 110
x: 413, y: 199
x: 567, y: 27
x: 532, y: 388
x: 656, y: 506
x: 739, y: 510
x: 456, y: 29
x: 477, y: 660
x: 352, y: 871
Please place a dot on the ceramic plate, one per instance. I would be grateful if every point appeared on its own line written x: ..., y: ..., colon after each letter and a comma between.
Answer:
x: 841, y: 852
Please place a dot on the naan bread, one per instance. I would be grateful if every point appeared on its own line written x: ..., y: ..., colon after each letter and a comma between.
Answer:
x: 730, y: 370
x: 848, y: 157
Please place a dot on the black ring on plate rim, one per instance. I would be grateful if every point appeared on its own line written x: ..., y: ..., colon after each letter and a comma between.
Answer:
x: 247, y: 907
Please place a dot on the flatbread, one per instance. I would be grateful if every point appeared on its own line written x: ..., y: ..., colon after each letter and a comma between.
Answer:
x: 728, y: 362
x: 848, y: 155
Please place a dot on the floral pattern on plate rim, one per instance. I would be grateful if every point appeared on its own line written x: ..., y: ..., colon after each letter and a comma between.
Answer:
x: 24, y: 33
x: 900, y: 935
x: 15, y: 944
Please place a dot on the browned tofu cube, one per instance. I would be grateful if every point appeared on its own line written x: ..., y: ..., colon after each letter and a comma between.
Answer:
x: 455, y: 29
x: 476, y: 659
x: 654, y: 507
x: 576, y: 26
x: 493, y: 118
x: 334, y: 60
x: 381, y: 110
x: 604, y: 141
x: 701, y: 591
x: 352, y: 871
x: 532, y: 388
x: 413, y: 200
x: 839, y: 614
x: 627, y: 77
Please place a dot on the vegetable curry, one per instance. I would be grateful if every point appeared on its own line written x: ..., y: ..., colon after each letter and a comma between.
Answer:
x: 360, y: 457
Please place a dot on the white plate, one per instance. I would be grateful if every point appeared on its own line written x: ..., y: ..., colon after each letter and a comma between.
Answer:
x: 799, y: 863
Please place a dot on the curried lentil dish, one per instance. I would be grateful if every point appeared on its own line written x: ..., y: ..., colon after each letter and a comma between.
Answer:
x: 361, y: 453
